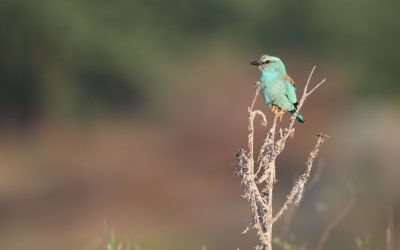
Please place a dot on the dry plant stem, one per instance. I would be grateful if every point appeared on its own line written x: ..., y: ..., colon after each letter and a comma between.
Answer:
x: 389, y: 229
x: 246, y: 170
x: 258, y: 171
x: 290, y: 130
x: 332, y: 224
x: 287, y: 220
x: 297, y: 190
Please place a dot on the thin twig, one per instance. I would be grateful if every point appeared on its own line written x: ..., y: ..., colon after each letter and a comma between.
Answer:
x: 332, y: 224
x: 290, y: 130
x: 297, y: 190
x: 258, y: 85
x: 309, y: 78
x: 316, y: 86
x: 287, y: 220
x: 389, y: 229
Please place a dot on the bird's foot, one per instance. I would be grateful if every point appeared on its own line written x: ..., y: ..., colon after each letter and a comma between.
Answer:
x: 275, y: 109
x: 280, y: 114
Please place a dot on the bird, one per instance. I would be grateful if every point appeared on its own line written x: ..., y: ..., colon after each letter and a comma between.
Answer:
x: 277, y: 87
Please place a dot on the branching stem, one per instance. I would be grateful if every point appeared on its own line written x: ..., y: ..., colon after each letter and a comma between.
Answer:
x: 258, y: 171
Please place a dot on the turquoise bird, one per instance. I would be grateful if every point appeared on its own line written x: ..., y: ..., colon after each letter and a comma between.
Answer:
x: 277, y: 88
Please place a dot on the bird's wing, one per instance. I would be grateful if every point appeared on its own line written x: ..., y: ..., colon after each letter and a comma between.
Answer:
x: 288, y: 78
x: 290, y: 89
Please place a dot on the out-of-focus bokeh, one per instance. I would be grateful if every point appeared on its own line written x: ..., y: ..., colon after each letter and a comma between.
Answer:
x: 132, y: 111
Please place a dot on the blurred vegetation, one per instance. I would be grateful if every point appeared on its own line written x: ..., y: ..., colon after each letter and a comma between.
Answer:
x: 77, y: 58
x: 280, y: 244
x: 111, y: 242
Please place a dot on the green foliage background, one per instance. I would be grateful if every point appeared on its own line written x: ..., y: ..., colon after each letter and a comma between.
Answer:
x: 89, y: 57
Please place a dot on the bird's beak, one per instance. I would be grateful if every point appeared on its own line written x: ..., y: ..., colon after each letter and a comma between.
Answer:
x: 256, y: 62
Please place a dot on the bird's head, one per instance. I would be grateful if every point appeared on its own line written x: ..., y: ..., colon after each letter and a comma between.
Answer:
x: 268, y: 63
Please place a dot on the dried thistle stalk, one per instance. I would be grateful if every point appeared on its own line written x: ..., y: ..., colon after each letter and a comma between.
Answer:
x: 258, y: 171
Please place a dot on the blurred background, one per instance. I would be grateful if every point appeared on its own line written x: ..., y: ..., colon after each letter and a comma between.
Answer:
x: 131, y: 111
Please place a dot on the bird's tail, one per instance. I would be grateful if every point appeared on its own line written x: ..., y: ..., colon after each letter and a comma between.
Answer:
x: 299, y: 116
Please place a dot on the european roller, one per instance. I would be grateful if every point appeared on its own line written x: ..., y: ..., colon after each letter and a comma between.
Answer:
x: 277, y: 88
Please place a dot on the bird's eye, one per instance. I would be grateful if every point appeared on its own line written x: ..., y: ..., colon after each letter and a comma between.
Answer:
x: 267, y: 61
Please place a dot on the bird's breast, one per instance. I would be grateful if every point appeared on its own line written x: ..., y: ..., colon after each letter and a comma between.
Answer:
x: 272, y: 89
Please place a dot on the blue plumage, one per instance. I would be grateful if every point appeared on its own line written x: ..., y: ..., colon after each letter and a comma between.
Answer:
x: 277, y: 88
